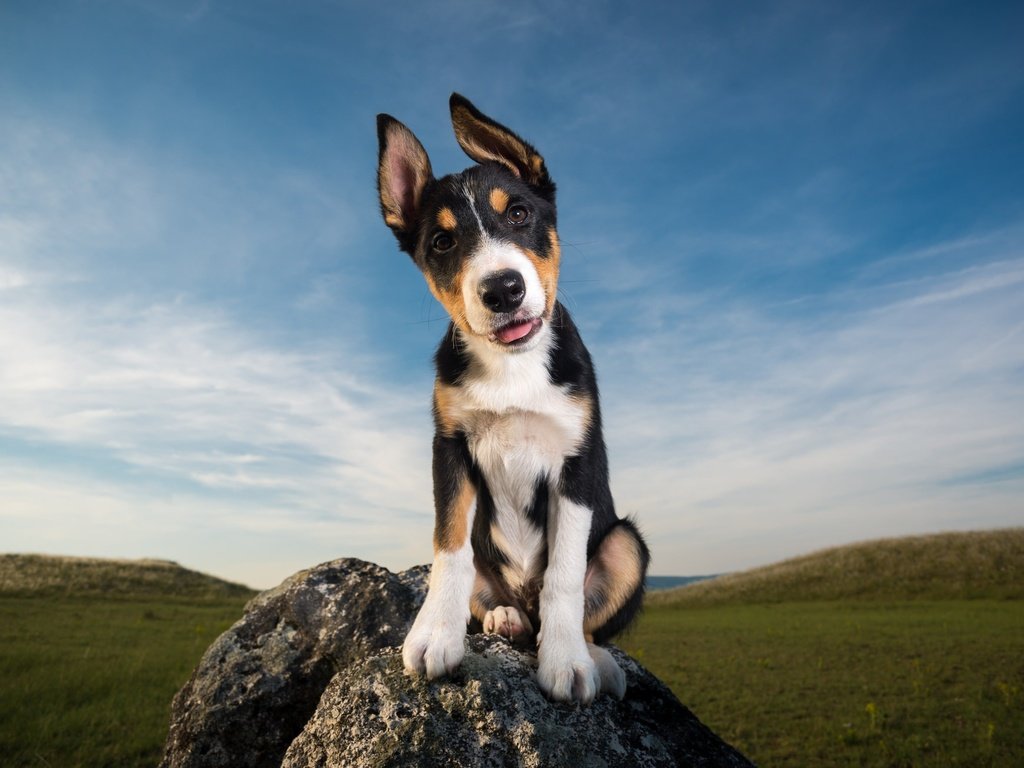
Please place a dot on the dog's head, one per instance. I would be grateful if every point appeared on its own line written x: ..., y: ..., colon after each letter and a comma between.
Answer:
x: 485, y: 238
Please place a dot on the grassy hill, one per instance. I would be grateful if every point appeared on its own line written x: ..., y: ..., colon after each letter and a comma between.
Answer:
x: 92, y: 651
x: 46, y: 575
x: 864, y: 656
x: 901, y: 652
x: 948, y: 566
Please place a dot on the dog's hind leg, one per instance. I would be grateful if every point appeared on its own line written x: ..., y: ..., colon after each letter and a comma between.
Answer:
x: 613, y: 679
x: 498, y: 613
x: 508, y: 621
x: 613, y: 588
x: 613, y: 591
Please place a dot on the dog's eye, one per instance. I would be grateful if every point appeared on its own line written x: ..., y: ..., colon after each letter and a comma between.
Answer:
x: 517, y: 214
x: 442, y: 242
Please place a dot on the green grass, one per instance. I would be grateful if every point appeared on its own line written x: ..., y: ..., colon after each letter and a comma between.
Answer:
x: 89, y: 681
x: 36, y: 575
x: 945, y: 566
x: 911, y: 683
x: 893, y: 654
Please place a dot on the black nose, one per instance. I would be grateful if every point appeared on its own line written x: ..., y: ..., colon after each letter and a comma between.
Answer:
x: 502, y: 291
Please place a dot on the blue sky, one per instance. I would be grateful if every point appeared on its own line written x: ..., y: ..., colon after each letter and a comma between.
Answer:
x: 793, y: 241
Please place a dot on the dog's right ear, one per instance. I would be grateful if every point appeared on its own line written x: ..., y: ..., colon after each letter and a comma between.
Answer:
x: 403, y: 172
x: 485, y: 140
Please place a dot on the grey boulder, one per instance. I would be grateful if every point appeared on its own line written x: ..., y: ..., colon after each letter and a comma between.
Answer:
x: 312, y: 676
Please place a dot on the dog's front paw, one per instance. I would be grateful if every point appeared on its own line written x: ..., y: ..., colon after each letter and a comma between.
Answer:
x: 566, y: 672
x: 434, y: 649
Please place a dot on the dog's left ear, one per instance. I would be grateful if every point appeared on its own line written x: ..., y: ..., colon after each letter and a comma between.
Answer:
x: 484, y: 140
x: 403, y: 173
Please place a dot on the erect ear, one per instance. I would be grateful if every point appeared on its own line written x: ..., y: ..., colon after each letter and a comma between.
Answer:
x: 485, y: 141
x: 403, y: 171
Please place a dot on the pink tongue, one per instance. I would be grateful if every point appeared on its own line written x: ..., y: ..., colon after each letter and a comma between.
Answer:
x: 511, y: 333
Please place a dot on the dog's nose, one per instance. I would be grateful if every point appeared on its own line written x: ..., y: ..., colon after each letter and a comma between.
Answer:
x: 502, y: 291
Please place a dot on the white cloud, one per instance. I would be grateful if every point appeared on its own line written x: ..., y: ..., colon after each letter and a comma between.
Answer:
x: 129, y: 403
x: 58, y: 510
x: 202, y: 423
x: 769, y: 433
x: 179, y: 389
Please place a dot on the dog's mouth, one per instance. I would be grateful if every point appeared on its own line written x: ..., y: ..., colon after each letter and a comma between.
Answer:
x: 517, y: 332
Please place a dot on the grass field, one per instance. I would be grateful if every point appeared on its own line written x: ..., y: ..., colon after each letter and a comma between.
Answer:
x: 89, y: 681
x: 890, y: 654
x: 53, y: 576
x: 913, y: 683
x: 92, y: 652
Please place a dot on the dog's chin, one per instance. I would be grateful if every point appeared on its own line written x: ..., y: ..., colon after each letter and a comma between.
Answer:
x: 518, y: 335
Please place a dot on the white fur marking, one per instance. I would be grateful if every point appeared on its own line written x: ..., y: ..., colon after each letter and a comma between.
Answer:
x: 566, y: 671
x: 435, y: 644
x: 468, y: 194
x: 493, y: 256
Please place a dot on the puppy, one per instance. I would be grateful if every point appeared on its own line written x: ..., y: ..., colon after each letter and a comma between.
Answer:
x: 526, y: 539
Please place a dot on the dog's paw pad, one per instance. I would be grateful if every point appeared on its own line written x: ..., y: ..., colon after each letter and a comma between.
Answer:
x: 508, y: 622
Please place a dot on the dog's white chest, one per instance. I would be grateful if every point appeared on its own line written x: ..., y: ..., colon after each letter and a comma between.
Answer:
x: 518, y: 424
x: 520, y: 454
x: 519, y: 429
x: 515, y: 450
x: 523, y: 430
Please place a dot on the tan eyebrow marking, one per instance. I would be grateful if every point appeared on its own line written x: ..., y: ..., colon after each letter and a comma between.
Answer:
x: 446, y: 219
x: 499, y: 200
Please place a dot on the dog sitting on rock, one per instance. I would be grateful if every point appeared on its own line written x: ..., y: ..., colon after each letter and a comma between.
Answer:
x: 526, y: 538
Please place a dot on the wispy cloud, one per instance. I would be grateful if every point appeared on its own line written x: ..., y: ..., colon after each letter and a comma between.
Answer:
x: 174, y: 394
x: 766, y: 432
x: 182, y: 400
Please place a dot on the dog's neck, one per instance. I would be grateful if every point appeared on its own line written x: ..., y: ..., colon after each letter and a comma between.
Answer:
x: 500, y: 380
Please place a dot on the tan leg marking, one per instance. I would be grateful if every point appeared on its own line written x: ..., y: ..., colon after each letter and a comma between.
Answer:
x: 612, y: 577
x: 445, y: 401
x: 450, y: 536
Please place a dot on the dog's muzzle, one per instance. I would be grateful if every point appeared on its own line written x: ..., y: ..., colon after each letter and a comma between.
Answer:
x: 503, y: 294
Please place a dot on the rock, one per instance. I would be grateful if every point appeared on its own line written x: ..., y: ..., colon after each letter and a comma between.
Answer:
x: 259, y: 682
x: 492, y: 713
x: 312, y: 676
